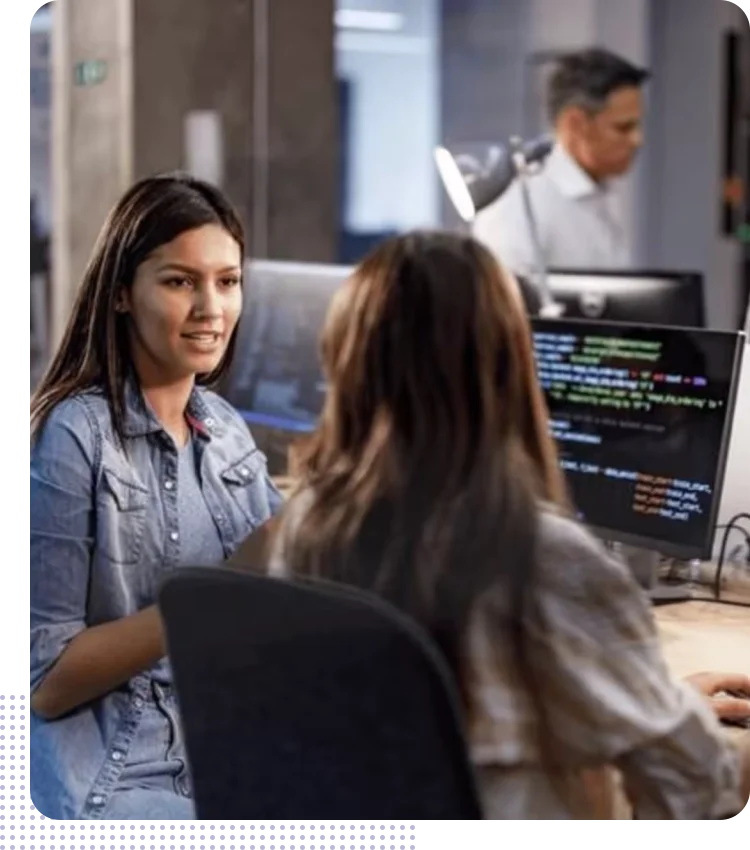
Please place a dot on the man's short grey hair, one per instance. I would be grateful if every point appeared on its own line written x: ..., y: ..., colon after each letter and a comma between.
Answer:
x: 587, y: 78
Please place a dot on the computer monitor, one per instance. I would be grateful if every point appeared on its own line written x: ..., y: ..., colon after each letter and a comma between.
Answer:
x: 642, y: 417
x: 275, y: 381
x: 643, y: 297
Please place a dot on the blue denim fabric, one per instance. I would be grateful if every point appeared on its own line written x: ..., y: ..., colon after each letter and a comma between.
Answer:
x: 105, y: 531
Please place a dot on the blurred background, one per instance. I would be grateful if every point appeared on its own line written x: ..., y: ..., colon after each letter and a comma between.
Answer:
x: 319, y: 118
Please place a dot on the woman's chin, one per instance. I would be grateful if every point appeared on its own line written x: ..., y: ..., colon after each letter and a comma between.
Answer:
x: 202, y: 364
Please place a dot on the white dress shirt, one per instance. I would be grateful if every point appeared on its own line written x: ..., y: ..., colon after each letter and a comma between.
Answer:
x: 579, y: 221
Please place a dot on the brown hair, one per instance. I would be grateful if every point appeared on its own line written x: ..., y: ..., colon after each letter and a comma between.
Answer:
x: 95, y: 351
x: 424, y: 477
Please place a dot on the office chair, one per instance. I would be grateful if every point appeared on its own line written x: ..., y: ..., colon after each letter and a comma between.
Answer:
x: 309, y: 700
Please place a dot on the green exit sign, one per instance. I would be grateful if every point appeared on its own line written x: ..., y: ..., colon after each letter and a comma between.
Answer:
x: 90, y: 73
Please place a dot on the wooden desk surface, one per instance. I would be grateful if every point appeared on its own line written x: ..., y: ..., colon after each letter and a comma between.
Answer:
x: 699, y: 636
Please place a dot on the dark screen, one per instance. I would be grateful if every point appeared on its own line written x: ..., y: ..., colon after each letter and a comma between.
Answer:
x: 276, y: 378
x: 640, y: 417
x: 658, y: 298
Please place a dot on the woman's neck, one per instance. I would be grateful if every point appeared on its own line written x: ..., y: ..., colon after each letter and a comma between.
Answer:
x: 169, y: 402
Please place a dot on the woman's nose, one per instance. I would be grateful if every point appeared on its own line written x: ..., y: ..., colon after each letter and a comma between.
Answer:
x: 207, y: 302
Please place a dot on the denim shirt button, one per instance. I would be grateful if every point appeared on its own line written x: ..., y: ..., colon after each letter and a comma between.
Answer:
x: 168, y: 485
x: 138, y: 702
x: 97, y: 799
x: 244, y: 472
x: 174, y: 536
x: 117, y: 755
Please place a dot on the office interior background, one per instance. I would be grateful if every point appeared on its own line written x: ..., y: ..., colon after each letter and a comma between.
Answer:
x: 320, y: 118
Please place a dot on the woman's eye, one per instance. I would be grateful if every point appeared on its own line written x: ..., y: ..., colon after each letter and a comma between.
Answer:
x: 230, y: 281
x: 178, y: 282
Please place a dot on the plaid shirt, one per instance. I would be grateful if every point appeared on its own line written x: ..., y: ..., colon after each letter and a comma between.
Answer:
x: 615, y: 703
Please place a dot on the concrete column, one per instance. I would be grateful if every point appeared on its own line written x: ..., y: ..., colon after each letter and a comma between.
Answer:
x: 91, y: 134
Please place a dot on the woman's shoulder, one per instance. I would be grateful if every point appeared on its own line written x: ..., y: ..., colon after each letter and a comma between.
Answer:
x: 80, y: 414
x: 570, y: 557
x: 71, y: 433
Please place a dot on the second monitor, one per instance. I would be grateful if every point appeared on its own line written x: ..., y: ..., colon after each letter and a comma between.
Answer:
x: 647, y: 297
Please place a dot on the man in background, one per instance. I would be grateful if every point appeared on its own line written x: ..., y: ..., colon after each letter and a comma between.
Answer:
x: 595, y: 105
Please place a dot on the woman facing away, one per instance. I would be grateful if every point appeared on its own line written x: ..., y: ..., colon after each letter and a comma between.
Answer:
x: 136, y: 470
x: 432, y: 481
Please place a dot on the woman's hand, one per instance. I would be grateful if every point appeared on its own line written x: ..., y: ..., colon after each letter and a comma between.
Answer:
x: 727, y: 693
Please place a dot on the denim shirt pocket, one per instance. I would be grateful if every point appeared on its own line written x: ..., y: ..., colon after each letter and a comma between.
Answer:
x: 122, y: 506
x: 245, y: 480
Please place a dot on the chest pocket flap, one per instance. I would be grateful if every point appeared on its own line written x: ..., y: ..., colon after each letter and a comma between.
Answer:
x: 127, y: 495
x: 122, y: 506
x: 245, y: 471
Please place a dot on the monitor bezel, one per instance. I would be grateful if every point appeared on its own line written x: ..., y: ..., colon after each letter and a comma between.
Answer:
x: 691, y: 278
x: 669, y: 548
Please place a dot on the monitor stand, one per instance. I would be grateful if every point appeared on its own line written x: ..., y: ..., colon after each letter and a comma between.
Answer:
x: 664, y: 594
x: 644, y: 564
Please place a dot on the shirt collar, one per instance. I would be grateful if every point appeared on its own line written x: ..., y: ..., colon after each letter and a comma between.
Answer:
x: 569, y: 177
x: 141, y: 420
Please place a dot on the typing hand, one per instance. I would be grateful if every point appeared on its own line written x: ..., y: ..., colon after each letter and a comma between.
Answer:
x: 728, y: 694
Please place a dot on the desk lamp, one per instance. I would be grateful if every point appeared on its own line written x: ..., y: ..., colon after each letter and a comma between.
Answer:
x: 473, y: 185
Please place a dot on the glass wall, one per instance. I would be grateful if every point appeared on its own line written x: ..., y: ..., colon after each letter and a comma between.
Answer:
x: 387, y: 72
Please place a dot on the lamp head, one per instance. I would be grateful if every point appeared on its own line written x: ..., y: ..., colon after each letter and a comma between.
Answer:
x: 472, y: 184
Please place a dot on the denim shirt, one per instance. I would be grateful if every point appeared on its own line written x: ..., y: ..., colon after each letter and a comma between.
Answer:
x: 104, y: 534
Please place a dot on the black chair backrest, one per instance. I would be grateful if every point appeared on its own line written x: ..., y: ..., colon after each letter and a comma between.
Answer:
x: 308, y: 700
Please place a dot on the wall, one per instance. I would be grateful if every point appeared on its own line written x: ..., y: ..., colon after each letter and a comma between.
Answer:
x: 685, y: 151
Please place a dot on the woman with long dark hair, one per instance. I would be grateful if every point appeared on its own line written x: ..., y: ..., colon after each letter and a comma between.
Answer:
x: 432, y: 480
x: 136, y: 469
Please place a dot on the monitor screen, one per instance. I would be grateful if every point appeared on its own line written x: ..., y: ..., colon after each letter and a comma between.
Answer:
x: 275, y: 380
x: 661, y: 298
x: 642, y: 417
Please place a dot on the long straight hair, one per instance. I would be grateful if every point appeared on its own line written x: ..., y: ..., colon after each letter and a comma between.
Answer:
x: 95, y: 350
x: 424, y: 478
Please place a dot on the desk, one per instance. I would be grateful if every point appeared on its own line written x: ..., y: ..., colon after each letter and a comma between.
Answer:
x: 699, y: 636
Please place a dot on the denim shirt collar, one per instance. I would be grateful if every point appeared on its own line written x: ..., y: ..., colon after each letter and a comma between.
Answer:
x: 141, y: 420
